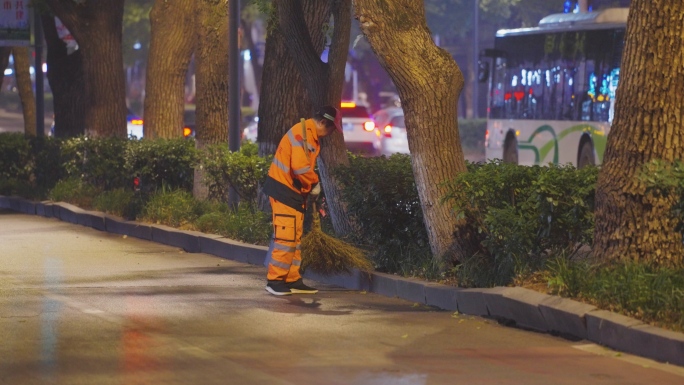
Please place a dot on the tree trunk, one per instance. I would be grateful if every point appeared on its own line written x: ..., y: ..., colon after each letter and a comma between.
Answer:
x: 97, y: 27
x: 4, y: 61
x: 632, y: 223
x: 323, y: 83
x: 65, y: 75
x: 171, y: 45
x: 429, y: 83
x: 22, y: 62
x: 212, y: 59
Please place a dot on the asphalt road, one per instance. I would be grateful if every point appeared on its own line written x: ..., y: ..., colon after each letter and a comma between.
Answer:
x: 12, y: 121
x: 79, y: 306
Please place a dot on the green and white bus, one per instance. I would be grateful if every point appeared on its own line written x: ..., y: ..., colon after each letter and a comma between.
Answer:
x: 552, y: 88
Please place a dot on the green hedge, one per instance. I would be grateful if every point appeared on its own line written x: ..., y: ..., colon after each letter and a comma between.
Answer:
x: 244, y: 170
x: 32, y: 166
x: 382, y: 198
x: 514, y: 217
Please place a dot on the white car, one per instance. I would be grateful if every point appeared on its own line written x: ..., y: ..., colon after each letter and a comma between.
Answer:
x: 250, y: 132
x: 390, y: 123
x: 360, y: 133
x: 134, y: 125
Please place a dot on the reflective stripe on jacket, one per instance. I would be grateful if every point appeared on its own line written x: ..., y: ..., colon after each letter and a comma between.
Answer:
x: 291, y: 175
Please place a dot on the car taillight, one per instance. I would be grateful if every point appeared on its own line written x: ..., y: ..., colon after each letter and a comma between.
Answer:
x: 187, y: 131
x: 369, y: 126
x: 387, y: 131
x: 137, y: 122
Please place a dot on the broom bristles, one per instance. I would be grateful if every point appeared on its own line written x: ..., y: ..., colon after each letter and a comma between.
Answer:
x: 327, y: 255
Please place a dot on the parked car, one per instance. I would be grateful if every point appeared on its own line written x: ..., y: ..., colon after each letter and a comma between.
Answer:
x: 390, y: 123
x: 134, y: 125
x: 360, y: 134
x: 250, y: 132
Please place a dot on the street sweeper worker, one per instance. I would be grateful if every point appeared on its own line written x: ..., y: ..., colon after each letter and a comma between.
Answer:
x: 291, y: 180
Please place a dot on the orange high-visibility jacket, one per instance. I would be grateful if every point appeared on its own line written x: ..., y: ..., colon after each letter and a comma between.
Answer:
x: 291, y: 175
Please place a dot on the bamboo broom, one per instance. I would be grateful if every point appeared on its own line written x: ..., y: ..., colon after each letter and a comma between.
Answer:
x: 327, y: 255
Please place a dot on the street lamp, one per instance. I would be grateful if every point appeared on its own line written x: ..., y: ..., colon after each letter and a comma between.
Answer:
x: 234, y: 87
x: 476, y: 59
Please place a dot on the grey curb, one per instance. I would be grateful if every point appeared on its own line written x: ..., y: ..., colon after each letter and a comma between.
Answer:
x: 442, y: 296
x: 519, y: 305
x: 357, y: 280
x: 565, y: 316
x: 527, y: 308
x: 471, y: 301
x: 177, y: 238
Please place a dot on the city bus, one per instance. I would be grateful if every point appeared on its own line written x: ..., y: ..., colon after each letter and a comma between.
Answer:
x: 552, y: 88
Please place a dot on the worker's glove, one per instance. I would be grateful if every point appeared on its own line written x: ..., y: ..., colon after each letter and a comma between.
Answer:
x: 316, y: 190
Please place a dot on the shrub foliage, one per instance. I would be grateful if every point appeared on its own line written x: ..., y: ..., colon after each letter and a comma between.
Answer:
x: 514, y: 217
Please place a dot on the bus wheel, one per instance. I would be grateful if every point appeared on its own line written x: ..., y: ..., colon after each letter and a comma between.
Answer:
x: 510, y: 154
x: 586, y: 155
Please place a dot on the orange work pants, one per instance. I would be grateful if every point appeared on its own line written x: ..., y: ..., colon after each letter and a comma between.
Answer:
x: 284, y: 254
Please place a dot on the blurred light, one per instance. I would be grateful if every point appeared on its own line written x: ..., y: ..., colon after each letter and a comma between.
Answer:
x: 44, y: 67
x: 369, y: 126
x: 137, y: 45
x: 347, y: 104
x: 137, y: 122
x: 187, y: 131
x: 388, y: 131
x: 8, y: 72
x: 32, y: 70
x: 246, y: 55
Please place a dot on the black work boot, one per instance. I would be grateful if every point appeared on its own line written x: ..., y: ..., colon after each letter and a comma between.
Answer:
x: 298, y: 287
x: 278, y: 287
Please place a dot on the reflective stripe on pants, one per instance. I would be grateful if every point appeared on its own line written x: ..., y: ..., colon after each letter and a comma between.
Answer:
x: 284, y: 254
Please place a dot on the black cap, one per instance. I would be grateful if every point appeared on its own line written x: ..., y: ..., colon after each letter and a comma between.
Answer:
x: 332, y: 114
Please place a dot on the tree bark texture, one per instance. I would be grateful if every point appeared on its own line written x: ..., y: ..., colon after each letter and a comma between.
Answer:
x: 284, y: 99
x: 97, y: 27
x: 22, y: 62
x: 171, y: 46
x: 212, y: 67
x: 323, y: 82
x: 4, y: 61
x: 65, y: 74
x: 632, y: 223
x: 429, y: 82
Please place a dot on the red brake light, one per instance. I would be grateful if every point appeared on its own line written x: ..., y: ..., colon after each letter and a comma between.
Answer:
x: 387, y: 131
x: 369, y: 126
x: 137, y: 122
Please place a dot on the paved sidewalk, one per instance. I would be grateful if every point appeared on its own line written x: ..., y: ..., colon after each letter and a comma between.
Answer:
x: 81, y: 306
